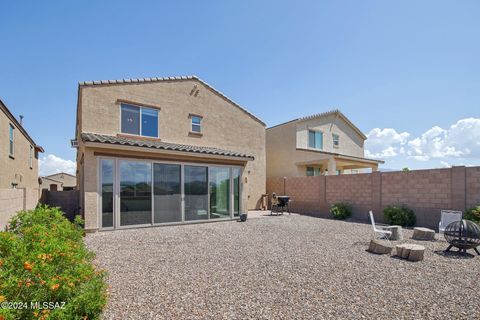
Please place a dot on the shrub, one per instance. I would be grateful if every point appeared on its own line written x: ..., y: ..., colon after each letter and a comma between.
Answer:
x: 399, y: 215
x: 473, y: 214
x: 43, y: 259
x: 341, y: 210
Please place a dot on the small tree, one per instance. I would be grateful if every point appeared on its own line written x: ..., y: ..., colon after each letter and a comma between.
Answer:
x: 406, y: 169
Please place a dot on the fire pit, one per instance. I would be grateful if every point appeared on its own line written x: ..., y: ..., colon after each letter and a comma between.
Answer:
x: 463, y: 235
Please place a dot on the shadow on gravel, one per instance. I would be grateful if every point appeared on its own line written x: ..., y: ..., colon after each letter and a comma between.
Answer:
x: 454, y: 254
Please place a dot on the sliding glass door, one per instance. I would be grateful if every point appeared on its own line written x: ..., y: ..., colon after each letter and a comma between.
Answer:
x: 135, y: 193
x: 107, y: 168
x: 219, y: 181
x: 139, y: 193
x: 196, y: 192
x: 167, y: 200
x: 236, y: 191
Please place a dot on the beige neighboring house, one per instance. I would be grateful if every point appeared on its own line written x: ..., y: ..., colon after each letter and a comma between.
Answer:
x: 19, y: 185
x: 325, y: 143
x: 18, y: 153
x: 165, y: 150
x: 59, y: 182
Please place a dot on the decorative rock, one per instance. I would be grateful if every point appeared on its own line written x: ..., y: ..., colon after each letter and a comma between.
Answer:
x: 397, y: 232
x: 423, y: 234
x: 379, y: 247
x: 411, y: 252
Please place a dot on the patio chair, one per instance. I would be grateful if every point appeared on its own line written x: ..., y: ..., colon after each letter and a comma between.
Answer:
x: 378, y: 232
x: 274, y: 203
x: 448, y: 216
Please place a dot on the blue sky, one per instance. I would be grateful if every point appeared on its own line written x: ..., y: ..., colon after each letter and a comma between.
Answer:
x: 407, y: 73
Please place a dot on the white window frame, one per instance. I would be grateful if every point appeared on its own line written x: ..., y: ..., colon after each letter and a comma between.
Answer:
x: 314, y: 143
x: 338, y: 140
x: 314, y: 169
x: 199, y: 125
x: 11, y: 140
x: 140, y: 120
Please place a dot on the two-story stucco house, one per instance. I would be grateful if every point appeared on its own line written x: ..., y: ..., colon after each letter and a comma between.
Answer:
x: 325, y: 143
x: 165, y: 150
x: 18, y: 154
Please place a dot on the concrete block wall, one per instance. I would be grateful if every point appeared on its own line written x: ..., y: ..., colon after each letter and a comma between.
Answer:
x: 473, y: 186
x: 14, y: 200
x: 425, y: 191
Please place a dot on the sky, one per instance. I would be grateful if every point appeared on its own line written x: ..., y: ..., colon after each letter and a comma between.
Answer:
x: 407, y: 73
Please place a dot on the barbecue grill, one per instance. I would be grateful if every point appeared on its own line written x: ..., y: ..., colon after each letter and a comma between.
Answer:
x: 464, y: 235
x: 281, y: 204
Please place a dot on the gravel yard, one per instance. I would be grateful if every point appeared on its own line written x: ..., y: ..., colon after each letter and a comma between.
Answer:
x: 282, y: 267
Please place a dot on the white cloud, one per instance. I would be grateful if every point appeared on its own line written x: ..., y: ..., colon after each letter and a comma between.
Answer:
x: 445, y: 164
x: 51, y: 164
x: 462, y: 139
x: 385, y: 143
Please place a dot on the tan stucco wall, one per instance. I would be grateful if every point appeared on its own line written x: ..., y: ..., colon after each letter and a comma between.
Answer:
x: 224, y: 126
x: 68, y: 180
x: 16, y: 169
x: 282, y: 143
x: 350, y: 142
x: 47, y: 184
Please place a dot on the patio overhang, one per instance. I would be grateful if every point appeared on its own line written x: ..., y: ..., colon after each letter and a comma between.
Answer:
x: 336, y: 161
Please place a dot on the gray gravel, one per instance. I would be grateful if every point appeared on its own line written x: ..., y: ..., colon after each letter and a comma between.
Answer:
x: 282, y: 267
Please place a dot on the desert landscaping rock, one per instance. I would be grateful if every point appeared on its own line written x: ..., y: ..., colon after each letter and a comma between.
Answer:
x: 379, y: 247
x: 397, y: 232
x: 285, y: 267
x: 423, y: 234
x: 410, y: 252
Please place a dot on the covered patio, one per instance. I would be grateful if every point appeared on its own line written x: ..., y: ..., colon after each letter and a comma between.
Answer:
x: 328, y: 163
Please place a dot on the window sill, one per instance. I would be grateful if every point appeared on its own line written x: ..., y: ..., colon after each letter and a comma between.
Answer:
x: 11, y: 157
x: 195, y: 134
x: 138, y: 137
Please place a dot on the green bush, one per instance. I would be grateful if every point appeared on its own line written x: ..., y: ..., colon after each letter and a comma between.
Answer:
x: 473, y: 214
x: 43, y: 259
x: 341, y: 210
x: 399, y: 215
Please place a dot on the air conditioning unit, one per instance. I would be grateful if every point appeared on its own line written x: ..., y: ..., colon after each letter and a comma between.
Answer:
x: 74, y: 143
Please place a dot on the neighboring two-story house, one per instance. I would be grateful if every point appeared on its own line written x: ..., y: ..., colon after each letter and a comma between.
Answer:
x: 18, y: 154
x: 325, y: 143
x: 165, y: 150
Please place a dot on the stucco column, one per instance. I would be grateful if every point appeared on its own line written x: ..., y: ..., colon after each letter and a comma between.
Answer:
x: 332, y: 166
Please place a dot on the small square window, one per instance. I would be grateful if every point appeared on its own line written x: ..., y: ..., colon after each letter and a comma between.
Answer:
x: 196, y: 124
x: 336, y: 140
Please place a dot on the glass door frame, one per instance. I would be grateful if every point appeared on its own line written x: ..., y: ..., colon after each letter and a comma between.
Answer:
x: 116, y: 192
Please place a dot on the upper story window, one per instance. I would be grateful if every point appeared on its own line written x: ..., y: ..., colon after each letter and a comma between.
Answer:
x: 336, y: 140
x: 196, y: 124
x: 12, y: 136
x: 30, y: 160
x: 315, y: 139
x: 140, y: 121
